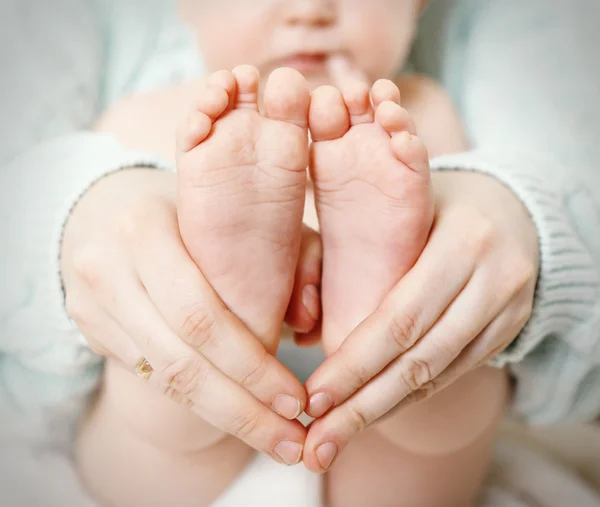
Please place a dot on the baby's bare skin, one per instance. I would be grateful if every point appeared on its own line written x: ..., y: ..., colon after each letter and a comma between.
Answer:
x: 373, y: 198
x: 392, y: 439
x: 242, y: 182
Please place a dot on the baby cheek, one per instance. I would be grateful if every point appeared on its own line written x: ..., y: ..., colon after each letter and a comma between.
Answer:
x: 383, y: 55
x: 383, y: 36
x: 379, y: 43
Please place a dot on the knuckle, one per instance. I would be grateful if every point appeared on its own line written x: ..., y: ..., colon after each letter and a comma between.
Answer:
x: 198, y: 326
x: 256, y: 372
x: 481, y: 238
x: 416, y: 374
x: 358, y: 419
x: 88, y: 265
x: 518, y: 275
x: 358, y: 376
x: 186, y: 402
x: 524, y: 273
x: 177, y: 397
x: 186, y: 376
x: 171, y: 393
x: 424, y: 393
x: 403, y: 331
x: 132, y: 225
x: 477, y: 231
x: 245, y: 425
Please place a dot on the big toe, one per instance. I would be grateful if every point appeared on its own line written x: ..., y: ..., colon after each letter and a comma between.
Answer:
x: 329, y: 117
x: 287, y: 97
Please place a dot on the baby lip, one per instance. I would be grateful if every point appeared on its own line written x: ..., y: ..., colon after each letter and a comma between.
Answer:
x: 307, y: 52
x: 306, y: 58
x: 306, y: 64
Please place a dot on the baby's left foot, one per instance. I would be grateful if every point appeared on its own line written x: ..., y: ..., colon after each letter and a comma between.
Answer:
x: 373, y: 198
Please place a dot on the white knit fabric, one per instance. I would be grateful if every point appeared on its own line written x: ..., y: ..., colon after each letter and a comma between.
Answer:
x: 66, y: 61
x: 526, y: 79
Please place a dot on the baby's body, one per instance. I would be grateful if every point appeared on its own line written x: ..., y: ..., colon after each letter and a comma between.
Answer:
x: 445, y: 440
x: 242, y: 155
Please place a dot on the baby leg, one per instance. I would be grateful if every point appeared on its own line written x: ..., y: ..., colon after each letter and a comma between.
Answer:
x: 242, y: 178
x: 431, y: 454
x: 373, y: 197
x: 137, y: 447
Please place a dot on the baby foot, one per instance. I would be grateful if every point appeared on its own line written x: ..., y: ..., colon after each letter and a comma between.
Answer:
x: 373, y: 198
x: 242, y: 181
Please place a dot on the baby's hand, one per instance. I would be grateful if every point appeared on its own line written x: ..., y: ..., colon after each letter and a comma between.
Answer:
x: 138, y: 297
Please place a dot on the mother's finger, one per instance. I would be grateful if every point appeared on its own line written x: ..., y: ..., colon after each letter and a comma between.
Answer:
x: 412, y: 378
x: 495, y: 338
x: 464, y: 320
x: 177, y: 367
x: 304, y: 310
x: 227, y: 406
x: 405, y: 315
x: 198, y: 317
x: 107, y: 338
x: 101, y: 332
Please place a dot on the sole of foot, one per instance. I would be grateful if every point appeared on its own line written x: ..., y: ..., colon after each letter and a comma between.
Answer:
x: 373, y: 198
x: 242, y: 181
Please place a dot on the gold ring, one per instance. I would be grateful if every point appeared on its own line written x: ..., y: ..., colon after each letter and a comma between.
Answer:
x: 143, y: 369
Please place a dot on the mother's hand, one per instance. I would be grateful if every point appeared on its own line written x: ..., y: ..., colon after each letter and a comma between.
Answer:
x: 465, y: 300
x: 134, y: 292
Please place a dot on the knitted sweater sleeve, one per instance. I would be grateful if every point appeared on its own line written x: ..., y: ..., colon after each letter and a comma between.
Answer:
x: 527, y: 82
x: 61, y: 76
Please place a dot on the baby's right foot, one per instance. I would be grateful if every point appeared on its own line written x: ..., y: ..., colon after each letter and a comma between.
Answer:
x: 242, y: 182
x: 373, y: 198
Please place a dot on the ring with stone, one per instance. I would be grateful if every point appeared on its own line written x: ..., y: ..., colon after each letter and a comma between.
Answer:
x: 143, y: 369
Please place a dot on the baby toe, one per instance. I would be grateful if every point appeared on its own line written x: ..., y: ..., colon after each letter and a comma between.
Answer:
x: 328, y: 118
x: 394, y: 118
x: 287, y: 97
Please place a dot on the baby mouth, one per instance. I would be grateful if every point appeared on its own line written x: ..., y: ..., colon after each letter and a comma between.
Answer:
x: 307, y: 63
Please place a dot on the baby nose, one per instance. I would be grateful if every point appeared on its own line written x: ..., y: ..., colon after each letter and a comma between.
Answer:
x: 310, y: 12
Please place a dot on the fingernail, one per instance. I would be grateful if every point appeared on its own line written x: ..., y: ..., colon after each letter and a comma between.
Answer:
x: 319, y: 404
x: 326, y: 454
x: 289, y: 452
x: 286, y: 406
x: 310, y: 300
